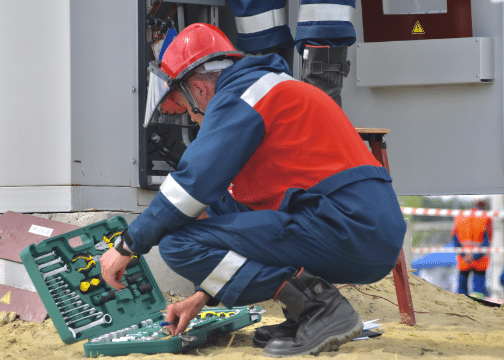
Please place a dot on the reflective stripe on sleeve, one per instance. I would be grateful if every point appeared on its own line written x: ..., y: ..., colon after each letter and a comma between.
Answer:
x: 325, y: 12
x: 228, y: 266
x: 262, y: 86
x: 180, y: 198
x: 260, y: 22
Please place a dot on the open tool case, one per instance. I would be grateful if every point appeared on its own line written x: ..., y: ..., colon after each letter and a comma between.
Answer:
x: 82, y: 305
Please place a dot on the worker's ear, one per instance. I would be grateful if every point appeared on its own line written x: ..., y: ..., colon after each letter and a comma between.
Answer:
x: 202, y: 91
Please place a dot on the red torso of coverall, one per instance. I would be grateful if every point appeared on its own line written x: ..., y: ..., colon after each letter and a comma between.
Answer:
x: 470, y: 231
x: 307, y: 145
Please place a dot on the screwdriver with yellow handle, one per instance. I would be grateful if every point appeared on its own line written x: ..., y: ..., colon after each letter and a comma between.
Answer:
x: 90, y: 284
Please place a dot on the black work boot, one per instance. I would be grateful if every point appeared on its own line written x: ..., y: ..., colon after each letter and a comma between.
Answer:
x: 286, y: 329
x: 327, y: 320
x: 325, y: 67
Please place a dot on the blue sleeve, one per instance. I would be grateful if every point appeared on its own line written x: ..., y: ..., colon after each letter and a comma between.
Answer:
x: 456, y: 241
x: 230, y: 133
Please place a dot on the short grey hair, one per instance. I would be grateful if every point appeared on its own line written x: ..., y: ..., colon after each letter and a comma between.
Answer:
x: 211, y: 77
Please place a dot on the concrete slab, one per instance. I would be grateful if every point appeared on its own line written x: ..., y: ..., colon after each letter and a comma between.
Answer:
x: 26, y: 304
x: 17, y: 231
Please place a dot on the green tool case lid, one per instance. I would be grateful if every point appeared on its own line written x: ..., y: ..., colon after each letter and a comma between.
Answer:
x: 80, y: 304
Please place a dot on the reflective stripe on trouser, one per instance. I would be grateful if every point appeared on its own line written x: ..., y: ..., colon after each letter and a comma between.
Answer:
x: 262, y: 25
x: 255, y: 251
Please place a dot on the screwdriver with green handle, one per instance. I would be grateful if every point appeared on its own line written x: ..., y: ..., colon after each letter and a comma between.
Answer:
x: 110, y: 295
x: 130, y: 279
x: 95, y: 282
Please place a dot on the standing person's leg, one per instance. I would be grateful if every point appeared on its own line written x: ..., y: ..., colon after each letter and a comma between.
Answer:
x: 463, y: 282
x: 479, y: 286
x: 261, y: 25
x: 325, y: 67
x: 323, y: 33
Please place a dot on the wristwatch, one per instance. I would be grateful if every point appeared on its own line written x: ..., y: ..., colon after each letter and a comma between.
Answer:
x: 118, y: 245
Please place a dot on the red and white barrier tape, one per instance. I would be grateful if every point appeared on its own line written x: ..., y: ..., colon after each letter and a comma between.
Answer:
x: 456, y: 250
x: 451, y: 212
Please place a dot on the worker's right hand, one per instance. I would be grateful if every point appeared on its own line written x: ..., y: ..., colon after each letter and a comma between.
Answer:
x: 180, y: 314
x: 113, y: 266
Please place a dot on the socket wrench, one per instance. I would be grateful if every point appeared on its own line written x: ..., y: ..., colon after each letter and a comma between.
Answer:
x: 52, y: 262
x: 57, y: 278
x: 90, y: 311
x: 106, y: 319
x: 77, y: 303
x: 57, y: 271
x: 61, y: 302
x: 65, y: 293
x: 56, y: 283
x: 99, y: 314
x: 85, y: 306
x: 52, y: 253
x: 59, y: 287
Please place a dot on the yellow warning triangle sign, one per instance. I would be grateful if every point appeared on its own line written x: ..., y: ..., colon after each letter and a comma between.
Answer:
x: 418, y: 29
x: 6, y: 299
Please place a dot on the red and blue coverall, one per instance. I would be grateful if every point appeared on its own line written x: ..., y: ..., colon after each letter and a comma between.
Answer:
x: 287, y: 182
x: 469, y: 232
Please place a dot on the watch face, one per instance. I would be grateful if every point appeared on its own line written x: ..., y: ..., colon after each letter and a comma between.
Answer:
x: 118, y: 245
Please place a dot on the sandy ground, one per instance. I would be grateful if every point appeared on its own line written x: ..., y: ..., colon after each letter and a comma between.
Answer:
x: 449, y: 326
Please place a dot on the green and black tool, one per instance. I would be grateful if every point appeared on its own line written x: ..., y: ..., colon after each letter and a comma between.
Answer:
x: 90, y: 284
x: 111, y: 294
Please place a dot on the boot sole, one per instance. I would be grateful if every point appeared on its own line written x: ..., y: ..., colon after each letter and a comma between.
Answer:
x: 259, y: 343
x: 331, y: 343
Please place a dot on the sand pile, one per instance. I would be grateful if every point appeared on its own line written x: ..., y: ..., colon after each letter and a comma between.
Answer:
x: 448, y: 326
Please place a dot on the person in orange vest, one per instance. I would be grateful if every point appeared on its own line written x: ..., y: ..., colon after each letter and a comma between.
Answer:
x: 470, y: 232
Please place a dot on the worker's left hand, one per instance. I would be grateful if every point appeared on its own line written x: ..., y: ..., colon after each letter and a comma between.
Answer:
x: 113, y: 266
x: 180, y: 314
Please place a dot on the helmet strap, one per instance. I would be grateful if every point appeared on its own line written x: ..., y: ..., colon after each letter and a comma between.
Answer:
x: 184, y: 89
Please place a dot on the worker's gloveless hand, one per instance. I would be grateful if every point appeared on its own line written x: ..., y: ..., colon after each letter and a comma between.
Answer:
x: 113, y: 266
x: 180, y: 314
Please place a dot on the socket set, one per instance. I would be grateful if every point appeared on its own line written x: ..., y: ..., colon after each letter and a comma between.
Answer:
x: 151, y: 337
x: 117, y: 322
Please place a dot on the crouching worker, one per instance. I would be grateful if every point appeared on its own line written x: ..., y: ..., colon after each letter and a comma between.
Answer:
x: 295, y: 199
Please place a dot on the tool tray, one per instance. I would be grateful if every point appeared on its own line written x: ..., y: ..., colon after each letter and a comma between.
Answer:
x: 117, y: 322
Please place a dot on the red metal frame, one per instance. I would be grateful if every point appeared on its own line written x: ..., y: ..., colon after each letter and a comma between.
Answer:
x: 376, y: 140
x: 380, y: 27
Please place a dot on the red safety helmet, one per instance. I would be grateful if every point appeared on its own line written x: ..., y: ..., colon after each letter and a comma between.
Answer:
x: 195, y: 45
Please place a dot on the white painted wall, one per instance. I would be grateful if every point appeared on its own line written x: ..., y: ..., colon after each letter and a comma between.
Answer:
x: 35, y: 99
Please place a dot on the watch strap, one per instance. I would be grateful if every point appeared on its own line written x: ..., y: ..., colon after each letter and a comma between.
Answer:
x: 118, y: 245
